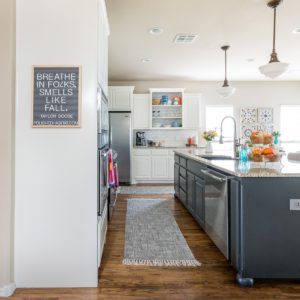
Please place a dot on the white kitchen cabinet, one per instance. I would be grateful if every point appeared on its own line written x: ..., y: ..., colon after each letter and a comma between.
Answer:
x: 120, y: 98
x: 103, y: 33
x: 153, y: 165
x: 160, y: 167
x: 102, y: 231
x: 142, y: 166
x: 141, y: 111
x: 191, y: 111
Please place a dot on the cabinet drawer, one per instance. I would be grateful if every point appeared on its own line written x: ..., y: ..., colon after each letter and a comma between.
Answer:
x: 182, y: 183
x: 182, y: 161
x: 195, y: 168
x: 176, y: 158
x: 182, y: 196
x: 141, y: 152
x: 160, y: 152
x: 182, y: 172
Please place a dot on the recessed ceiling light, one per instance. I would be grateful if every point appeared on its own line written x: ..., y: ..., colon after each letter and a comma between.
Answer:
x: 250, y: 59
x: 156, y: 31
x: 146, y: 60
x: 296, y: 30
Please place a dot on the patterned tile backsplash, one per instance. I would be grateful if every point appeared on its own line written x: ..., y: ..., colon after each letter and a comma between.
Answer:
x: 169, y: 138
x: 256, y: 118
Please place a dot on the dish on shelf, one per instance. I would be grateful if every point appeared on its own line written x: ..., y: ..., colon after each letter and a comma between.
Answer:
x: 156, y: 101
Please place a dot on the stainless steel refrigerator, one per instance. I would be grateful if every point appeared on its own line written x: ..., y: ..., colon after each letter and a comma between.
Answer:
x: 120, y: 141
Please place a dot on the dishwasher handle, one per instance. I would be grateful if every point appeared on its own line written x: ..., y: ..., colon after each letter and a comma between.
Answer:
x: 215, y: 177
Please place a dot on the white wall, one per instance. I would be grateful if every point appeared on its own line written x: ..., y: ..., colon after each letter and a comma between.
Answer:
x: 56, y: 169
x: 7, y: 58
x: 256, y: 94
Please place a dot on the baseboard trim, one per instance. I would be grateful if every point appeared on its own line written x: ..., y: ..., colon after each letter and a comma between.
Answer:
x: 7, y: 290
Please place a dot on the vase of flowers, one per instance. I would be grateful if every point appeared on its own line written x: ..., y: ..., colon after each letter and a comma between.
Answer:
x: 276, y: 135
x: 209, y: 136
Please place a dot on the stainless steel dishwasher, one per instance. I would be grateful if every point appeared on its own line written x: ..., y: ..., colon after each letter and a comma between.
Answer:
x: 216, y: 208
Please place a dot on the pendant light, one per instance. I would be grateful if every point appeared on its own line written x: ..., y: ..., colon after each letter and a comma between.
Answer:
x: 274, y: 68
x: 226, y: 91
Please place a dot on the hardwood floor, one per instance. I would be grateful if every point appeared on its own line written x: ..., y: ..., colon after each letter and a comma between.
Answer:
x: 215, y: 279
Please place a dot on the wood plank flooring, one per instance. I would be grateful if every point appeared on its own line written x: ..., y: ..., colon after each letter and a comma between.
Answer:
x: 215, y: 279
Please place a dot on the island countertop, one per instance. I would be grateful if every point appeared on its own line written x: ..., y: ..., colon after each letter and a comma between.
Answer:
x: 241, y: 169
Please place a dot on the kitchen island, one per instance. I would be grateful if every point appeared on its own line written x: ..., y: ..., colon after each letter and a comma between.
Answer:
x: 251, y: 211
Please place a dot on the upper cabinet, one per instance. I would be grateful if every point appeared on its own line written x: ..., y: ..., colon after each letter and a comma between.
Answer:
x: 141, y: 111
x: 174, y: 109
x: 103, y: 33
x: 167, y: 108
x: 120, y: 98
x: 191, y: 111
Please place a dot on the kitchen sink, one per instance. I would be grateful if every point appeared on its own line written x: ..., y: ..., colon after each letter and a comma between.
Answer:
x: 217, y: 157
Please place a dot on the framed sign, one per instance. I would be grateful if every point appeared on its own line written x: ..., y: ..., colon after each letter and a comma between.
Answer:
x: 56, y: 97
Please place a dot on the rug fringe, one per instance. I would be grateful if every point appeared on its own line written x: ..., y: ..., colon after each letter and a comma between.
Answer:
x: 161, y: 263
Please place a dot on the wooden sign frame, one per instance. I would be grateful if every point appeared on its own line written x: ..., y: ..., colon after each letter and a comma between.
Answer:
x: 79, y: 97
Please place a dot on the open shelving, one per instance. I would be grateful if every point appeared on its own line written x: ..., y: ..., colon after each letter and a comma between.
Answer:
x: 166, y: 115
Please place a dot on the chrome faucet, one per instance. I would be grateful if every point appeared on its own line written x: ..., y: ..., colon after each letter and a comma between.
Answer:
x: 236, y: 141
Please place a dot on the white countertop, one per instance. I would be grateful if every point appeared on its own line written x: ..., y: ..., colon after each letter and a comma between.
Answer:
x: 250, y: 169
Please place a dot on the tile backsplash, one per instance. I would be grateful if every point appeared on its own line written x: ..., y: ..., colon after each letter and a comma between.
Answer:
x: 168, y: 138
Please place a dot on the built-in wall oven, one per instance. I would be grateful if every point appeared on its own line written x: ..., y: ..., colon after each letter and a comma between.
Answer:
x: 103, y: 149
x: 216, y: 208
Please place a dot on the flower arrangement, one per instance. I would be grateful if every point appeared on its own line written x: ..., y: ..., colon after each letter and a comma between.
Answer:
x: 209, y: 135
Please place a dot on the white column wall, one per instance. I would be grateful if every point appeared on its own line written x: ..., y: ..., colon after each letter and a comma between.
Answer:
x: 7, y: 81
x: 56, y: 169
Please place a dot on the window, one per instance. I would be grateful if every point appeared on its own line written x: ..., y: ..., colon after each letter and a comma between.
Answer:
x: 290, y: 123
x: 214, y: 116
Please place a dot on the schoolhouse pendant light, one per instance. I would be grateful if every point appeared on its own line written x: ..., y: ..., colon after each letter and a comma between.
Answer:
x: 274, y: 68
x: 226, y: 91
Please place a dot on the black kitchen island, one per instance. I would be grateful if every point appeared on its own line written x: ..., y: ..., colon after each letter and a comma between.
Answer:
x: 250, y: 211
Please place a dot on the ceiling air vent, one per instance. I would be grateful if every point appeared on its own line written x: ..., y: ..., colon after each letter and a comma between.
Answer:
x: 185, y: 38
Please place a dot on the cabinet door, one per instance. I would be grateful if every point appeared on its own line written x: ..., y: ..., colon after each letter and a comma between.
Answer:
x: 160, y: 167
x: 176, y: 179
x: 235, y: 223
x: 171, y: 166
x: 190, y: 191
x: 122, y: 100
x: 102, y: 46
x: 198, y: 201
x: 191, y: 110
x: 142, y: 166
x: 141, y: 111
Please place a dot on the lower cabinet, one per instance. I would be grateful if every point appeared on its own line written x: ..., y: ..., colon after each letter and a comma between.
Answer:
x: 191, y: 190
x: 199, y: 186
x: 160, y: 167
x: 142, y: 166
x: 102, y: 230
x: 153, y: 165
x: 176, y: 179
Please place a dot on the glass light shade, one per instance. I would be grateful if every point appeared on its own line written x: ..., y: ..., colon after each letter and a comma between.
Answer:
x: 274, y: 69
x: 226, y: 91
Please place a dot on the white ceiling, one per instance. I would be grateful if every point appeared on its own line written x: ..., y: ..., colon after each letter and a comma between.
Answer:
x: 246, y: 25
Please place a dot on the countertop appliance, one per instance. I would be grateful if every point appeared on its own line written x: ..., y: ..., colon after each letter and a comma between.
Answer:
x: 140, y: 139
x: 103, y: 148
x: 216, y: 208
x: 120, y: 141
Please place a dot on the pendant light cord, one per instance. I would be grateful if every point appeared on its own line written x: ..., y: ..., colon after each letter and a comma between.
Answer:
x: 274, y: 57
x: 225, y: 81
